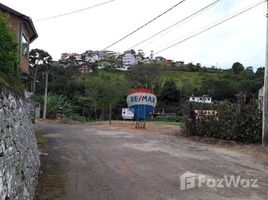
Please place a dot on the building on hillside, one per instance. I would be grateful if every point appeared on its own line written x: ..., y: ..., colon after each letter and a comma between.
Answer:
x: 250, y: 68
x: 85, y: 68
x: 95, y: 56
x: 159, y: 59
x: 106, y: 54
x: 70, y: 60
x: 129, y: 59
x: 168, y: 62
x: 92, y: 59
x: 200, y: 99
x: 140, y: 55
x: 179, y: 63
x: 25, y: 32
x: 104, y: 65
x: 146, y: 61
x: 139, y: 58
x: 75, y: 56
x: 90, y: 56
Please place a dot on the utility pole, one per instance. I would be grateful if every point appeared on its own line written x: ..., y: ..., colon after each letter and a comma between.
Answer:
x: 45, y: 100
x: 110, y: 115
x: 265, y: 91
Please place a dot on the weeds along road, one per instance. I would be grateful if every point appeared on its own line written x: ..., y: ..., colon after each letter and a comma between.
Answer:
x: 100, y: 163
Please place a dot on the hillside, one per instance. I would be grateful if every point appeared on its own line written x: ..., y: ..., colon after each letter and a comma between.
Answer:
x: 220, y: 85
x: 181, y: 78
x: 187, y: 82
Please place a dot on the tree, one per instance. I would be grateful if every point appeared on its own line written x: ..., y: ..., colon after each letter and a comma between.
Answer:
x: 260, y: 72
x: 145, y: 76
x: 102, y: 90
x: 237, y: 67
x: 170, y: 95
x: 219, y: 89
x: 8, y: 48
x: 57, y: 104
x: 140, y: 55
x: 38, y: 59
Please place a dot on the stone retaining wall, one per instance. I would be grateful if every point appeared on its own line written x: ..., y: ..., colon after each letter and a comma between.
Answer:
x: 19, y: 155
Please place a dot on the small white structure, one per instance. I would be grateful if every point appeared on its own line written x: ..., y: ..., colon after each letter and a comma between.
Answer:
x: 92, y: 59
x: 260, y: 97
x: 129, y: 59
x: 201, y: 99
x: 127, y: 113
x: 146, y: 61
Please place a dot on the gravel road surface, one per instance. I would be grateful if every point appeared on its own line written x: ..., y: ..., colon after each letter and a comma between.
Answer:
x: 104, y: 163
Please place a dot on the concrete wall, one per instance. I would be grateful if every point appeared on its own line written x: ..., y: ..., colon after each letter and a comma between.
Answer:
x: 19, y: 155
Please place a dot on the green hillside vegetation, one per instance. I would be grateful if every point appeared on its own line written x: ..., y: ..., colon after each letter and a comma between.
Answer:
x: 199, y: 83
x: 91, y: 94
x: 9, y: 75
x: 187, y: 81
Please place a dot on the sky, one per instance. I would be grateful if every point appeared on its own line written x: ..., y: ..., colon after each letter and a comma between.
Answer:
x: 241, y: 39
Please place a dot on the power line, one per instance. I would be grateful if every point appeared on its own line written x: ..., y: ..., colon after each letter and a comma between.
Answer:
x: 73, y: 12
x: 207, y: 29
x: 147, y: 23
x: 171, y: 26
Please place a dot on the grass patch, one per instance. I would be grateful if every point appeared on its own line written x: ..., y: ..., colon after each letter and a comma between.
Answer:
x: 51, y: 180
x: 51, y: 184
x: 41, y: 140
x: 169, y: 123
x: 187, y: 80
x: 97, y: 122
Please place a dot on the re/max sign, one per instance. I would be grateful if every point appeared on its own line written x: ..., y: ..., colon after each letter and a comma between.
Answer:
x: 142, y: 98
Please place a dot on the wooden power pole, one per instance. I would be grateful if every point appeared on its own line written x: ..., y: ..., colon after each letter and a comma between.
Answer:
x: 110, y: 114
x: 265, y: 91
x: 45, y: 99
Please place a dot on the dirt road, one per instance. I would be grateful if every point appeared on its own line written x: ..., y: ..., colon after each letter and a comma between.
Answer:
x: 100, y: 163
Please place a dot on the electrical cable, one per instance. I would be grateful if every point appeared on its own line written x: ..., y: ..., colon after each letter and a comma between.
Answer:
x: 146, y: 24
x: 209, y: 28
x: 178, y: 22
x: 73, y: 12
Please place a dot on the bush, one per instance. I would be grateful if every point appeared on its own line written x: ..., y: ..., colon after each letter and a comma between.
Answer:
x: 57, y: 104
x: 8, y: 48
x: 240, y: 121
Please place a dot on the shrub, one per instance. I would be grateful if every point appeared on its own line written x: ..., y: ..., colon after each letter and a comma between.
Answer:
x: 55, y: 104
x: 8, y: 48
x: 241, y: 121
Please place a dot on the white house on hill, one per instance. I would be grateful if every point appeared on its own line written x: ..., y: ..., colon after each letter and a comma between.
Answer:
x: 201, y: 99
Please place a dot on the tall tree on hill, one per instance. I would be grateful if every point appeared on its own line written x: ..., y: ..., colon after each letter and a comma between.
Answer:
x: 38, y: 59
x: 238, y: 67
x: 169, y: 96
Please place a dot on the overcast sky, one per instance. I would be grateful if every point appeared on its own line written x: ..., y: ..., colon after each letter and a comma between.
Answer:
x: 241, y: 39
